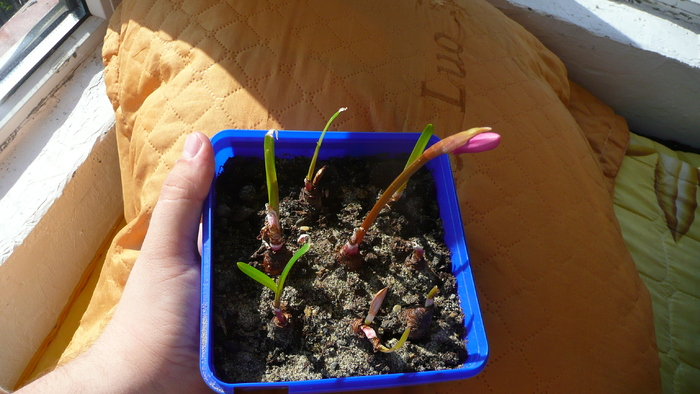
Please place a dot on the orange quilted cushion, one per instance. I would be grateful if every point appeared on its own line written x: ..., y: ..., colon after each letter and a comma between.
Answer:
x: 563, y: 305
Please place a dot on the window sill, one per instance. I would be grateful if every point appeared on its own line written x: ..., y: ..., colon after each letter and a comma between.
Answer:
x: 60, y: 195
x: 638, y: 57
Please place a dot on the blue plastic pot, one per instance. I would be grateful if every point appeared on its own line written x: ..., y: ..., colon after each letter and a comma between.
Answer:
x: 337, y: 144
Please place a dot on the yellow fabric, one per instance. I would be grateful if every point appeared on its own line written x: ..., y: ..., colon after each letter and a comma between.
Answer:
x: 603, y: 129
x: 57, y: 341
x: 656, y: 203
x: 563, y: 305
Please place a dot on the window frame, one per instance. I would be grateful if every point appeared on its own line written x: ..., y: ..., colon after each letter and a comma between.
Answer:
x: 53, y: 27
x: 53, y: 69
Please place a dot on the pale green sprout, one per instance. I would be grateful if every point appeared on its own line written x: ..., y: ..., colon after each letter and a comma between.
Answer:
x: 277, y: 288
x: 430, y: 298
x: 308, y: 182
x: 271, y: 233
x: 270, y: 171
x: 398, y: 344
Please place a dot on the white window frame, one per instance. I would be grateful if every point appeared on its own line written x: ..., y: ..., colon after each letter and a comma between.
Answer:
x: 54, y: 70
x: 680, y: 9
x: 69, y: 171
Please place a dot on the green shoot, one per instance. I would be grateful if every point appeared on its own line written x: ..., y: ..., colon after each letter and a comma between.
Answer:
x: 277, y: 288
x: 308, y: 183
x: 456, y: 143
x: 417, y: 151
x: 258, y: 275
x: 283, y: 276
x: 368, y: 331
x: 398, y: 345
x: 271, y: 233
x: 429, y: 299
x: 270, y: 171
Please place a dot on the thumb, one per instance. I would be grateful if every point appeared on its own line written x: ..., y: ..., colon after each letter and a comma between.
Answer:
x: 154, y: 328
x: 172, y: 232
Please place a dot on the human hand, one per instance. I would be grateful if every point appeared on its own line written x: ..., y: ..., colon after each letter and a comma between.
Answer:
x: 151, y: 344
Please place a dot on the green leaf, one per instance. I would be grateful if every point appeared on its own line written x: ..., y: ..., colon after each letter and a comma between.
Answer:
x: 312, y: 167
x: 257, y: 275
x: 288, y: 267
x: 421, y: 144
x: 417, y: 151
x: 398, y: 345
x: 270, y: 171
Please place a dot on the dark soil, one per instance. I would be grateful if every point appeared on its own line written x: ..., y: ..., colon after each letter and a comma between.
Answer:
x: 322, y: 296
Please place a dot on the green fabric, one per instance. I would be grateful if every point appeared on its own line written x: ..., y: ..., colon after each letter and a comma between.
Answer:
x: 656, y: 205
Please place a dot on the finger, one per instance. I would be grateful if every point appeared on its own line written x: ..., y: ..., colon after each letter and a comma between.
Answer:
x: 199, y: 239
x: 175, y: 220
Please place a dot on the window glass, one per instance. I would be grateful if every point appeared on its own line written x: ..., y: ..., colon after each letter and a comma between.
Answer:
x: 29, y: 31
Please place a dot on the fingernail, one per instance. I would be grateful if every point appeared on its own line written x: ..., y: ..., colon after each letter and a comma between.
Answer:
x: 192, y: 146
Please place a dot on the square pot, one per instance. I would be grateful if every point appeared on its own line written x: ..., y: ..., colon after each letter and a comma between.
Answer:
x: 249, y: 143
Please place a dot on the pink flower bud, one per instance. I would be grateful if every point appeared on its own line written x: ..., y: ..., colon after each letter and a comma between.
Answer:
x: 479, y: 143
x: 375, y: 305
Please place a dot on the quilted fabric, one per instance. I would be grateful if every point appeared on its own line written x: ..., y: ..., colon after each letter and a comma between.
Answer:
x: 563, y: 304
x: 605, y: 131
x: 656, y: 201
